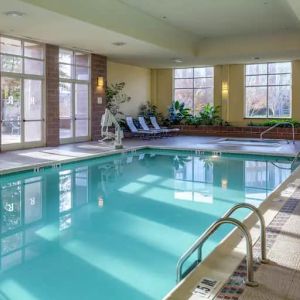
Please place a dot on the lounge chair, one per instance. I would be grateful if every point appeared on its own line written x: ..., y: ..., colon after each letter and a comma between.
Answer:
x: 137, y: 132
x: 155, y: 125
x: 156, y: 133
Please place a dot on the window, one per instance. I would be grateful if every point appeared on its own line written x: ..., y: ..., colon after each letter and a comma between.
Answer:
x: 194, y: 87
x: 74, y: 86
x: 268, y: 90
x: 22, y: 75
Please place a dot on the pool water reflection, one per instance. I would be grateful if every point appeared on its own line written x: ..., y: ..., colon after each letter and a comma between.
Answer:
x: 114, y: 228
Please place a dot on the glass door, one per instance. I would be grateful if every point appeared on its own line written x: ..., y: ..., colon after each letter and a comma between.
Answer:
x: 81, y: 116
x: 65, y: 111
x: 33, y: 113
x: 74, y: 95
x: 11, y: 108
x: 22, y: 111
x: 22, y: 75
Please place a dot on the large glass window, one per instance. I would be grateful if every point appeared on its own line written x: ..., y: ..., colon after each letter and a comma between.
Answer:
x: 268, y: 90
x: 74, y: 73
x: 194, y: 87
x: 22, y: 75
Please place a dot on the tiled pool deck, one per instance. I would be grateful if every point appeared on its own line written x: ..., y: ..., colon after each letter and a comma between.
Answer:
x: 278, y: 280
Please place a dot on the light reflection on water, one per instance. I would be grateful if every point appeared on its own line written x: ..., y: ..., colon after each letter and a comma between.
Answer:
x: 142, y: 211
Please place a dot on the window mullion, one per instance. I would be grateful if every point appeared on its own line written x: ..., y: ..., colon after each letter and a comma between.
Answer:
x: 267, y: 90
x: 193, y: 91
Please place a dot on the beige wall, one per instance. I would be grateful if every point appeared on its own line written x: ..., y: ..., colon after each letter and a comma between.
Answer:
x: 137, y: 84
x: 161, y: 89
x: 231, y: 100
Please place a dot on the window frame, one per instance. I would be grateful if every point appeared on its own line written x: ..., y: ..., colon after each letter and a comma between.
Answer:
x: 267, y: 86
x: 193, y: 87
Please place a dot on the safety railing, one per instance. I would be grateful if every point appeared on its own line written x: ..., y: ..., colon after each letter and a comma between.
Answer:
x: 198, y: 244
x: 263, y: 243
x: 281, y: 123
x: 201, y: 240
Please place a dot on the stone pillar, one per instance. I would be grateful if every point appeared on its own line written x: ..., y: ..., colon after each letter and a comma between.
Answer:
x: 52, y: 96
x: 98, y: 69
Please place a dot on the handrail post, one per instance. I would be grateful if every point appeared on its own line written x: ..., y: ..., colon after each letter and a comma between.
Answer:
x: 281, y: 123
x: 199, y: 244
x: 263, y: 245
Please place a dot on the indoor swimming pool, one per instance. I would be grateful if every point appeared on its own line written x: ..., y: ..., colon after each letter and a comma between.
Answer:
x: 114, y: 227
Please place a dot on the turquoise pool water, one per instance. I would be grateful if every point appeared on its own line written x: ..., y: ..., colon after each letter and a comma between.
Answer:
x: 114, y: 227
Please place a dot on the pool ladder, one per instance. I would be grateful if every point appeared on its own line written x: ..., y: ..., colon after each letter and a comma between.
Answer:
x: 226, y: 219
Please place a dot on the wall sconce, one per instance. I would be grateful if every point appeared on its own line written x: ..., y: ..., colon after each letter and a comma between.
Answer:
x: 100, y: 82
x: 225, y: 89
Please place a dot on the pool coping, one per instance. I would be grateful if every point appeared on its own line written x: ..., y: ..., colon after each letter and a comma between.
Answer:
x: 33, y: 166
x: 226, y: 245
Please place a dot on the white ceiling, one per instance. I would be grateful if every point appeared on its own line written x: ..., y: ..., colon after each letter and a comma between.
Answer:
x: 219, y: 18
x: 198, y: 31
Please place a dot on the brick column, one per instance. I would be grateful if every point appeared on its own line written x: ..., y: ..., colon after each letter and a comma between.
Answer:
x: 98, y: 69
x: 52, y: 96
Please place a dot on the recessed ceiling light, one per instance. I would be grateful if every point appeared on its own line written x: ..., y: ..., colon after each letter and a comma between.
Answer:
x: 177, y: 60
x: 14, y: 13
x: 119, y: 44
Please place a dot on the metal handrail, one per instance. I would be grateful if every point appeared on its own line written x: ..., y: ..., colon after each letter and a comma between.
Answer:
x: 295, y: 159
x: 282, y: 168
x: 263, y: 243
x: 292, y: 163
x: 198, y: 244
x: 281, y: 123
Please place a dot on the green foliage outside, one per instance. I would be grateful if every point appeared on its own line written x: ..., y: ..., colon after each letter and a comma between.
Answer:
x: 272, y: 122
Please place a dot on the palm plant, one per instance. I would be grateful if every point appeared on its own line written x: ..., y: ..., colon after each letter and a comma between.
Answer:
x: 148, y: 110
x: 178, y: 112
x: 115, y: 97
x: 209, y: 115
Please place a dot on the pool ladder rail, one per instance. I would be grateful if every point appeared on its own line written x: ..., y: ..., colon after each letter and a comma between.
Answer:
x: 295, y: 159
x: 281, y: 123
x: 226, y: 219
